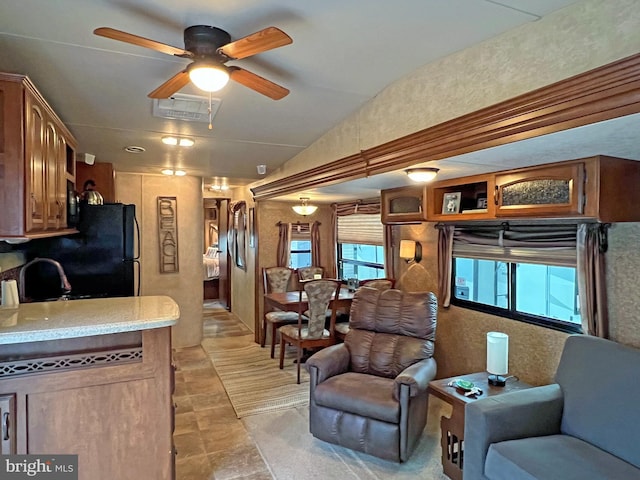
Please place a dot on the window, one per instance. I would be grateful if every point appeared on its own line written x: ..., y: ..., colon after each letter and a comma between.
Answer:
x: 300, y: 254
x: 519, y: 277
x: 360, y: 260
x: 542, y: 294
x: 360, y: 246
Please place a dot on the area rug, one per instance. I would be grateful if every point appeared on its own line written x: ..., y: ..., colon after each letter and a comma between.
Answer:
x: 255, y: 384
x: 290, y: 451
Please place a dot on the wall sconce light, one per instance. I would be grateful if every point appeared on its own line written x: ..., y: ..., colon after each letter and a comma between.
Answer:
x: 304, y: 208
x: 423, y: 174
x: 497, y: 358
x: 410, y: 251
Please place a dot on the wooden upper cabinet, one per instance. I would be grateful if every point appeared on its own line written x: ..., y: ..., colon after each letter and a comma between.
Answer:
x: 404, y: 205
x: 37, y: 157
x: 541, y: 191
x: 596, y: 188
x: 471, y: 197
x: 35, y: 151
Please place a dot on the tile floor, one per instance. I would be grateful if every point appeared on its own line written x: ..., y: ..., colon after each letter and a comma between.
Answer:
x: 211, y: 442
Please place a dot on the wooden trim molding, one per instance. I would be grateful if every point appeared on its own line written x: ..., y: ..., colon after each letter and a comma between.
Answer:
x: 606, y: 92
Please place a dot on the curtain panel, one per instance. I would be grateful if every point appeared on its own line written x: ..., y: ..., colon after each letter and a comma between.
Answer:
x: 284, y: 244
x: 592, y: 288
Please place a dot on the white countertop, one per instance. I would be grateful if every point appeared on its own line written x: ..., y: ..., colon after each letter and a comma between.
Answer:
x: 33, y: 322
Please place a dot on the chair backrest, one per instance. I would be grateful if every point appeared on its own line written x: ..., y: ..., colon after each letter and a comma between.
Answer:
x: 601, y: 391
x: 390, y: 330
x: 379, y: 283
x: 319, y: 295
x: 307, y: 273
x: 276, y: 279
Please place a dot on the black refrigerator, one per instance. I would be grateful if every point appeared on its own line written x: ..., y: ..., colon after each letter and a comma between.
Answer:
x: 100, y: 261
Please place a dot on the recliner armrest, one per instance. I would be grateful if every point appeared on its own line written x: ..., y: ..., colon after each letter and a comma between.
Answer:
x: 329, y: 361
x: 526, y: 413
x: 416, y: 377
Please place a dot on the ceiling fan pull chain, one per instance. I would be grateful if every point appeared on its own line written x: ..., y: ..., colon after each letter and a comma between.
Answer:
x: 210, y: 117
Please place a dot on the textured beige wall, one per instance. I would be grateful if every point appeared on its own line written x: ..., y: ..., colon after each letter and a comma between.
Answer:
x: 534, y: 351
x: 185, y: 287
x: 623, y: 265
x: 243, y: 281
x: 567, y: 42
x: 269, y: 213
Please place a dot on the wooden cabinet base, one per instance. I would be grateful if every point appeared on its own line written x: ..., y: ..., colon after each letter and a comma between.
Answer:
x: 115, y: 413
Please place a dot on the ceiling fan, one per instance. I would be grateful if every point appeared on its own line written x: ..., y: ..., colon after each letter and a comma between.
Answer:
x: 210, y: 48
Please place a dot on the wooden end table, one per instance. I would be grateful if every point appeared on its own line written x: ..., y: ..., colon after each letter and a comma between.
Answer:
x: 452, y: 428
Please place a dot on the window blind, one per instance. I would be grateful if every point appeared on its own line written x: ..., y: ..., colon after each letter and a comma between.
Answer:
x: 300, y: 231
x: 523, y: 244
x: 367, y: 229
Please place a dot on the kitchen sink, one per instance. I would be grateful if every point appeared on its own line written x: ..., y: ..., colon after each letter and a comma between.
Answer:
x: 69, y: 297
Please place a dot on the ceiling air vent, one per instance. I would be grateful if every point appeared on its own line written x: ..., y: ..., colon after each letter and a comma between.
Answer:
x: 186, y: 107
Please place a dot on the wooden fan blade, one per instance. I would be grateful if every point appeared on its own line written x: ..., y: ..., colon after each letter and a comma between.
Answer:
x: 171, y: 86
x: 140, y: 41
x: 257, y: 83
x: 267, y: 39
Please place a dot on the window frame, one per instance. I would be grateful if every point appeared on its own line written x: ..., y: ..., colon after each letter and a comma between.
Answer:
x: 510, y: 312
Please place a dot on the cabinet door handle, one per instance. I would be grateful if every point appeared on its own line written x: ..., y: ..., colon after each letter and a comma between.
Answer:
x: 6, y: 425
x: 496, y: 195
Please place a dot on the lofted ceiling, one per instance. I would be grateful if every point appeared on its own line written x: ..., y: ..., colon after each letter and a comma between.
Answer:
x: 343, y: 54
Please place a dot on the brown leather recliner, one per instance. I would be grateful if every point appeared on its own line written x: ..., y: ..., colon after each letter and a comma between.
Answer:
x: 370, y: 392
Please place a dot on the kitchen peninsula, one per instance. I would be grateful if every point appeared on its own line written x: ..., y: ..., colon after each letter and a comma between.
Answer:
x: 93, y: 378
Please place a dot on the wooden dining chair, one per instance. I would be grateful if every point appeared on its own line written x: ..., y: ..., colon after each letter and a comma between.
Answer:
x: 342, y: 327
x: 320, y: 294
x: 276, y: 280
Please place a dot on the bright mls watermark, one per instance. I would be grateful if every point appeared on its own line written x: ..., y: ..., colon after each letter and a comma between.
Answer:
x: 50, y: 467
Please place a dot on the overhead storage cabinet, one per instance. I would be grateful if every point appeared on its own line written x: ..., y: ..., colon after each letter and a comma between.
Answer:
x: 37, y: 162
x: 599, y: 188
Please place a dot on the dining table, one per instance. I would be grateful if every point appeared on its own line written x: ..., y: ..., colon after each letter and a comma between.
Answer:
x: 292, y: 301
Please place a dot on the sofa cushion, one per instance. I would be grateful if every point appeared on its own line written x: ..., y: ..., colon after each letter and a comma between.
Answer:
x: 598, y: 381
x: 554, y: 457
x: 346, y: 392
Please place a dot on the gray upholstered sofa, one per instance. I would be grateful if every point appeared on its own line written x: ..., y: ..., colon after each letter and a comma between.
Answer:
x: 370, y: 392
x: 586, y: 426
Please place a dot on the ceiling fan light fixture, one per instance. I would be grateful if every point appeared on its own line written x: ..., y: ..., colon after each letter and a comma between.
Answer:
x: 422, y: 174
x: 208, y: 76
x: 304, y: 208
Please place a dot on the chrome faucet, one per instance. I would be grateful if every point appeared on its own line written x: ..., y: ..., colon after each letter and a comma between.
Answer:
x: 64, y: 283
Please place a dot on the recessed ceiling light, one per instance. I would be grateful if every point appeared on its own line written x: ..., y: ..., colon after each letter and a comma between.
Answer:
x: 134, y: 149
x: 180, y: 141
x: 166, y: 171
x: 170, y: 140
x: 179, y: 173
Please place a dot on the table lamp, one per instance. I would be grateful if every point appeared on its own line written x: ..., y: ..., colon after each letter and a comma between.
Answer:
x: 497, y: 358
